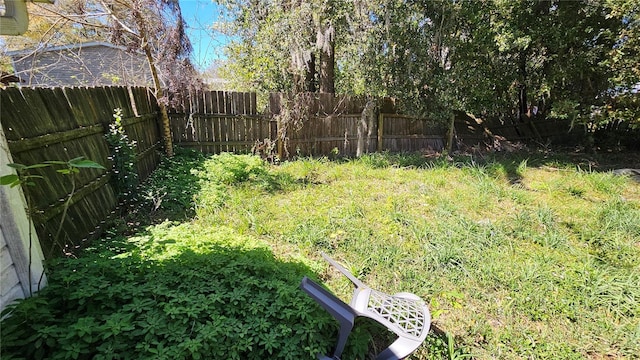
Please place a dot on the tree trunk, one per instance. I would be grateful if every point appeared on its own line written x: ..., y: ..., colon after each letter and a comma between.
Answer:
x: 365, y: 126
x: 451, y: 134
x: 327, y: 61
x: 310, y: 78
x: 523, y: 107
x: 164, y: 117
x: 306, y: 82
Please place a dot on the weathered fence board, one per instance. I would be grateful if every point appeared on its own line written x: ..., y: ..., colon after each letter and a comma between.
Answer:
x: 320, y: 136
x: 145, y: 132
x: 216, y: 121
x: 403, y: 133
x: 45, y: 124
x: 331, y: 124
x: 218, y: 133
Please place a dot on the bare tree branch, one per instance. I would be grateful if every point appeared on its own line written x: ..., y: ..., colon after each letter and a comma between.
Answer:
x: 75, y: 18
x: 115, y: 18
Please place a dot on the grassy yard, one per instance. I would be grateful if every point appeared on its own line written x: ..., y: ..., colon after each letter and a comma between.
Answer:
x: 519, y: 256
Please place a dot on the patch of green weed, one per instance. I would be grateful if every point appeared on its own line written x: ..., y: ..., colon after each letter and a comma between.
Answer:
x: 508, y: 233
x: 180, y: 292
x: 169, y: 192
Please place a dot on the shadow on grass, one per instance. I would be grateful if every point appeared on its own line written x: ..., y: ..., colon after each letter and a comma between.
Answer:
x: 438, y: 345
x: 512, y: 162
x: 217, y: 299
x: 583, y: 161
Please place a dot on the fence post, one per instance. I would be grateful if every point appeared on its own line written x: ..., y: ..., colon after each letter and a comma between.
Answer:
x: 451, y: 132
x: 276, y: 128
x: 380, y: 130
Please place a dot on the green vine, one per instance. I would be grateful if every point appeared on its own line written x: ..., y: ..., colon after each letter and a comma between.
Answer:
x: 125, y: 177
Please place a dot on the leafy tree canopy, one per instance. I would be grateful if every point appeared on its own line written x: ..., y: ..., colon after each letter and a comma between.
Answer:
x: 501, y: 59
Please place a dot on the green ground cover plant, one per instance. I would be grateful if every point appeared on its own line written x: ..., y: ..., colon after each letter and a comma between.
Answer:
x: 519, y: 256
x: 178, y: 291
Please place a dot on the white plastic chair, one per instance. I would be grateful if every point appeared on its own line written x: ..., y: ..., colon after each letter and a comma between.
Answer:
x: 405, y: 314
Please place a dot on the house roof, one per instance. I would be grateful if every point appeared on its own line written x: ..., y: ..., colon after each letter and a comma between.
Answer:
x: 77, y: 46
x: 6, y: 78
x: 93, y: 63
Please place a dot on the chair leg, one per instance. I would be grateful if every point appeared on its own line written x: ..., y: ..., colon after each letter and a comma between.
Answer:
x: 345, y: 272
x: 336, y: 307
x: 343, y: 335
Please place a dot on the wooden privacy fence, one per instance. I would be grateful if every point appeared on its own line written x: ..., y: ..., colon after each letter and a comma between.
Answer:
x: 217, y: 121
x: 471, y: 131
x: 44, y: 124
x: 320, y: 124
x: 309, y: 124
x: 64, y: 123
x: 323, y: 124
x: 345, y: 134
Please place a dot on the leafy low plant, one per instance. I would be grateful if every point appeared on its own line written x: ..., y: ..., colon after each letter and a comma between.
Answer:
x: 169, y: 193
x: 125, y: 177
x: 179, y: 292
x: 443, y: 346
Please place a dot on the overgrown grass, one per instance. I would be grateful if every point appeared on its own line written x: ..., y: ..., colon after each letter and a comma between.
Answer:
x: 519, y: 257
